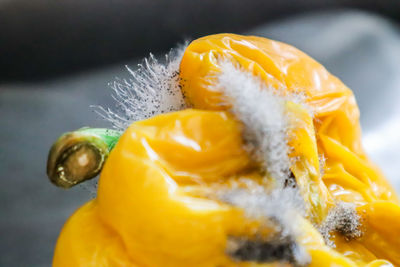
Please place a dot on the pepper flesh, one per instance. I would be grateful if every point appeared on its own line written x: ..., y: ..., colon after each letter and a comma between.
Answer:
x: 146, y: 213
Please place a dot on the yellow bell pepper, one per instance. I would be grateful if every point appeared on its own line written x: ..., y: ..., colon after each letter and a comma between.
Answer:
x: 155, y: 204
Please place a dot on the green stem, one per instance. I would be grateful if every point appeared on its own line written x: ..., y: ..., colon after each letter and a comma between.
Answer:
x: 79, y: 155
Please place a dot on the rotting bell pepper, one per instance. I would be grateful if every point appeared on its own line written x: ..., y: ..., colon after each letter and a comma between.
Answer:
x: 155, y: 204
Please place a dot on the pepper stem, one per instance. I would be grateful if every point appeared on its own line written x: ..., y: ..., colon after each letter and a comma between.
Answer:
x: 79, y: 155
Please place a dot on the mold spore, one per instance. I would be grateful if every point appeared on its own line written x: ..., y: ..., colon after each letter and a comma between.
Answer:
x: 153, y: 88
x: 342, y: 218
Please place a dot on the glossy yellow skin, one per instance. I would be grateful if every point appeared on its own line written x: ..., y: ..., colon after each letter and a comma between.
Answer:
x: 152, y: 207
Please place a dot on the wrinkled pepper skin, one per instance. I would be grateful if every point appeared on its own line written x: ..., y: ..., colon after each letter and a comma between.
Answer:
x: 149, y: 212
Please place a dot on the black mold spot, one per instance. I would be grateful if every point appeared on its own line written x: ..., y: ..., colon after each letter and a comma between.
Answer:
x: 283, y: 250
x: 290, y: 181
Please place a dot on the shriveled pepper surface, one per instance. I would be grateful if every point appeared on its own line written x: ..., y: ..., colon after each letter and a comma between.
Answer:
x: 148, y: 211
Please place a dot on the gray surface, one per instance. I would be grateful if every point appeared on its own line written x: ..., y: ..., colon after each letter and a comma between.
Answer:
x: 361, y: 49
x: 32, y: 117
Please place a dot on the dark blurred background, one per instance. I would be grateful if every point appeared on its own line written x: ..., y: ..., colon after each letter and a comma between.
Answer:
x: 45, y: 38
x: 56, y: 58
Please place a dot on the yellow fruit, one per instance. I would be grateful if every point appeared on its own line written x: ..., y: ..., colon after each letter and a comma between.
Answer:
x: 156, y: 203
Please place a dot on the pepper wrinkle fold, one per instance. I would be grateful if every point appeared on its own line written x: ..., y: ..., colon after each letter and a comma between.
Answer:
x: 162, y: 193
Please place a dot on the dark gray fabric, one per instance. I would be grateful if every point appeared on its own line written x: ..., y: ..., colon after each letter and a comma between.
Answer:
x: 361, y: 49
